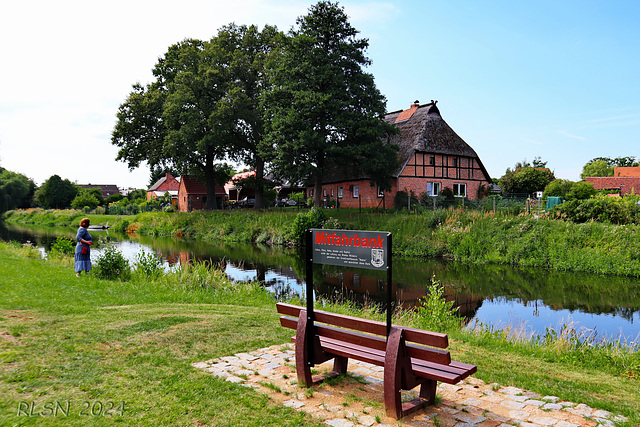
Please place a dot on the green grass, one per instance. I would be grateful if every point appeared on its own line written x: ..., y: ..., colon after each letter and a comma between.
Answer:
x: 76, y: 340
x: 67, y: 340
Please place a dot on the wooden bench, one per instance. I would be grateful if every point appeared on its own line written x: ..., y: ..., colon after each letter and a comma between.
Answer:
x: 406, y: 359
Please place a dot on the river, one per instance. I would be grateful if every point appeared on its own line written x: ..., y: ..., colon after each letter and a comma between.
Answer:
x: 527, y: 301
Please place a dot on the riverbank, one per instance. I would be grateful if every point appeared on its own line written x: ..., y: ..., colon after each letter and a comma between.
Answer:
x: 465, y: 236
x: 73, y: 340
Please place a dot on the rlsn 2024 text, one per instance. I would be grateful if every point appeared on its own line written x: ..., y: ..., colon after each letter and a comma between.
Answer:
x: 65, y: 408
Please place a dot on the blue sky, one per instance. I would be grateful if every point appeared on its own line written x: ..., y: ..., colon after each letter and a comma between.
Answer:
x: 516, y: 80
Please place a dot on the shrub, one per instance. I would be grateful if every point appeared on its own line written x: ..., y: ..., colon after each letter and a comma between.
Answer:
x: 435, y: 313
x: 112, y: 265
x: 63, y: 246
x: 305, y: 220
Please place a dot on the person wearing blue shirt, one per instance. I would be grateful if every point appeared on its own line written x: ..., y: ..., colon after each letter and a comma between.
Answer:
x: 83, y: 253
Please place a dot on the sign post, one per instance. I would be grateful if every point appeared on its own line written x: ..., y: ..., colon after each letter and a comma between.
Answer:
x: 347, y: 248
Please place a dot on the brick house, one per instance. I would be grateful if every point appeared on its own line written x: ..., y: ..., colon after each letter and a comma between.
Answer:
x: 192, y: 194
x: 166, y: 184
x: 625, y: 181
x: 431, y: 157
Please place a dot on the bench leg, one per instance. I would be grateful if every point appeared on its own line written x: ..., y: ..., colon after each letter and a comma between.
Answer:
x: 396, y: 366
x: 428, y: 391
x: 340, y: 365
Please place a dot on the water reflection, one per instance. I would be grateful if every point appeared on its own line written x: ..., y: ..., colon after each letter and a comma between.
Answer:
x: 494, y: 295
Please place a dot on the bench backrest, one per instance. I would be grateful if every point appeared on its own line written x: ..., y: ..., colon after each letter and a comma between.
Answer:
x: 369, y: 333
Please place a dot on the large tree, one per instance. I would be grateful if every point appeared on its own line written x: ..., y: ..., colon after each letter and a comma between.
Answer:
x: 202, y: 109
x: 56, y: 193
x: 16, y: 190
x: 244, y: 52
x: 323, y: 110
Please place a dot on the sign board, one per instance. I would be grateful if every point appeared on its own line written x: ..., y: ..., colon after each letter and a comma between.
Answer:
x: 351, y: 248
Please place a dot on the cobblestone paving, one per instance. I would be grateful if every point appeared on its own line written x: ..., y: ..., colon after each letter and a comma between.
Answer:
x: 357, y: 399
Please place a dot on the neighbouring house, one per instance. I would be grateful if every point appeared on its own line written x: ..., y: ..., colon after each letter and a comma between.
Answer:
x: 106, y: 190
x: 431, y: 157
x: 236, y: 191
x: 625, y: 181
x: 192, y: 194
x: 166, y: 184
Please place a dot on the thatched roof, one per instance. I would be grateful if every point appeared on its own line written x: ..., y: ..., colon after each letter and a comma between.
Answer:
x: 423, y: 129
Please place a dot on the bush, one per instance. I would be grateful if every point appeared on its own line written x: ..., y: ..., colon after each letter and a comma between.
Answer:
x: 305, y: 220
x: 613, y: 210
x: 112, y: 265
x: 63, y: 246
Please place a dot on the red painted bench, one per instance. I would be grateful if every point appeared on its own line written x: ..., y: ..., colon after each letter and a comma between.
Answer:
x: 408, y: 357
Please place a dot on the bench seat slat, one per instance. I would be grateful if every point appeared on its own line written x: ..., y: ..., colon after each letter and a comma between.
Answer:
x: 451, y: 373
x: 443, y: 373
x: 433, y: 339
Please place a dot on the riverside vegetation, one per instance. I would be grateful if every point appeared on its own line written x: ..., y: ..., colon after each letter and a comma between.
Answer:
x: 127, y: 345
x: 462, y: 235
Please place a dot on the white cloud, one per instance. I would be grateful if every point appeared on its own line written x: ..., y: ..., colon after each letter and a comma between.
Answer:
x: 572, y: 136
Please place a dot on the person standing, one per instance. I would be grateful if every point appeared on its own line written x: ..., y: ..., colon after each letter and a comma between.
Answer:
x: 83, y: 253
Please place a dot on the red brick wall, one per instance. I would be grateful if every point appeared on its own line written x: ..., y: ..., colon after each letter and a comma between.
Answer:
x: 367, y: 195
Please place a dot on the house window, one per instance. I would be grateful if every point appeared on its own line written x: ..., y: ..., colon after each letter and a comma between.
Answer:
x: 460, y: 190
x: 354, y: 190
x: 332, y: 192
x: 432, y: 161
x: 455, y: 162
x: 311, y: 193
x: 324, y: 192
x: 340, y: 192
x: 380, y: 192
x: 433, y: 188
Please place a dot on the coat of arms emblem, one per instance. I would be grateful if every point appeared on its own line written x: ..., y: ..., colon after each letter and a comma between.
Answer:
x: 377, y: 257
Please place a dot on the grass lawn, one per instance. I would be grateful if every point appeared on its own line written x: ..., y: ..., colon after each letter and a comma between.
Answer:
x: 84, y: 351
x: 80, y: 351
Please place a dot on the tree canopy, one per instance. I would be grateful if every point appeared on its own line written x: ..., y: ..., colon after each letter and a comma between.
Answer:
x: 56, y: 193
x: 16, y: 190
x: 526, y: 178
x: 202, y: 109
x: 323, y: 111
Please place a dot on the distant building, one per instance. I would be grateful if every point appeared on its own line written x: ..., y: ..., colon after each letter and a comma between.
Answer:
x: 235, y: 191
x: 192, y: 194
x: 625, y: 181
x: 106, y: 190
x: 166, y: 184
x: 431, y: 157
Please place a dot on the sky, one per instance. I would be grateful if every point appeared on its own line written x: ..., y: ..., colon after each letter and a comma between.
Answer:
x: 516, y: 80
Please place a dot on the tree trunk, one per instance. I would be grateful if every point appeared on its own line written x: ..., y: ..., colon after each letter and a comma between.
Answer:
x: 260, y: 202
x: 317, y: 191
x: 210, y: 182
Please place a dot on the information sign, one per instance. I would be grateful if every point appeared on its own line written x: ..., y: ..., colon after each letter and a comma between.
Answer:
x: 351, y: 248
